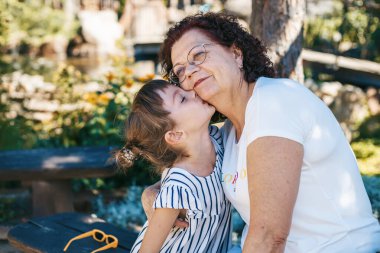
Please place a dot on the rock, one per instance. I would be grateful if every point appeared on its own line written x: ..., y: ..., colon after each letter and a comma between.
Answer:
x: 373, y: 100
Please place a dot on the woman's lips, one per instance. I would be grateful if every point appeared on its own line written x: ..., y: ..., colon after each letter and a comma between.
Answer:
x: 200, y: 81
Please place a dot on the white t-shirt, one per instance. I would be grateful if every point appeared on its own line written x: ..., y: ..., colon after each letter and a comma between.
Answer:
x: 332, y: 212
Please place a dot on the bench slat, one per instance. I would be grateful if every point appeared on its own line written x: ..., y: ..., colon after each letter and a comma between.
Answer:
x: 57, y: 163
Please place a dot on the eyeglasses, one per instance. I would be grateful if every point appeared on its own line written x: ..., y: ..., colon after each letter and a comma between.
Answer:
x: 99, y: 236
x: 196, y: 56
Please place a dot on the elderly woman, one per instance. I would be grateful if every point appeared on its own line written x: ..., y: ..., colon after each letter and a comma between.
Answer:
x: 288, y: 168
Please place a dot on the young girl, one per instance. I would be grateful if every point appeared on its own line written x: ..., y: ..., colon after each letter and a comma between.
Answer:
x: 169, y: 127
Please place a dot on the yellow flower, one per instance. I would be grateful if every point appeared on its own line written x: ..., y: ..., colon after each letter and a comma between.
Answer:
x: 103, y: 99
x: 90, y: 97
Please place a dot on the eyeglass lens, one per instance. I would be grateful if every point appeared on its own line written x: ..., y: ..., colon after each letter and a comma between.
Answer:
x: 110, y: 240
x: 196, y: 56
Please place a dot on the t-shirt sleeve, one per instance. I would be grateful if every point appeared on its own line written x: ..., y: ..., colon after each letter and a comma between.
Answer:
x: 178, y: 197
x: 278, y: 110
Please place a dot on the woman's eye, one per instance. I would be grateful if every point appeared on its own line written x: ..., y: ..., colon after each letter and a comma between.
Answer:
x: 198, y: 56
x: 179, y: 72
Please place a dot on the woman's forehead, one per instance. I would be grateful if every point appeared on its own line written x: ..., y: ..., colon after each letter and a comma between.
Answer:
x: 187, y: 41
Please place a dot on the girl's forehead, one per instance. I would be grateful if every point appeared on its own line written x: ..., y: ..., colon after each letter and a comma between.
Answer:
x: 168, y: 91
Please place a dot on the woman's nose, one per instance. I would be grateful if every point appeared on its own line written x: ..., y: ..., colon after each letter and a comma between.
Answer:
x: 190, y: 70
x: 188, y: 83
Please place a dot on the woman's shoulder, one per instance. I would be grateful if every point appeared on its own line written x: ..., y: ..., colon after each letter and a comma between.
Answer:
x: 279, y: 88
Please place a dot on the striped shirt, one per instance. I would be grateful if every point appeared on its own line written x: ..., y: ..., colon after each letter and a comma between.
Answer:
x: 208, y: 210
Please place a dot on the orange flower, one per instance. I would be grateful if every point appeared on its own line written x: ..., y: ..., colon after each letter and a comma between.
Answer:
x: 127, y: 70
x: 128, y: 83
x: 150, y: 76
x: 110, y: 76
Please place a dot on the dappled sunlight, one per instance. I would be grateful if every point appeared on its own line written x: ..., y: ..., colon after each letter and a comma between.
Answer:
x: 317, y: 132
x: 58, y: 161
x: 348, y: 196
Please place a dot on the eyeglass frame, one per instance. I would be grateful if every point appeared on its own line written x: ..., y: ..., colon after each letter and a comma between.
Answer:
x: 171, y: 73
x: 92, y: 233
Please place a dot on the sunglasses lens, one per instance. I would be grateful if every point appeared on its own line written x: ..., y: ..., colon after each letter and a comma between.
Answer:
x: 98, y: 236
x: 110, y: 240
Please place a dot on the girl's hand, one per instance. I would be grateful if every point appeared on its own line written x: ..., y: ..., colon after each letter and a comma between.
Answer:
x: 147, y: 198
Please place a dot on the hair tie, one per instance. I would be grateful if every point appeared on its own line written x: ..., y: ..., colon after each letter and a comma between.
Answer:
x: 128, y: 154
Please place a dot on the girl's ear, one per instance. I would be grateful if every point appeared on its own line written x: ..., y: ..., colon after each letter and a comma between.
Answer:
x: 174, y: 138
x: 238, y: 55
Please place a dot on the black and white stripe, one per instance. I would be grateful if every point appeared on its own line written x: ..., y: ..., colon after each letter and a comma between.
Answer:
x: 208, y: 210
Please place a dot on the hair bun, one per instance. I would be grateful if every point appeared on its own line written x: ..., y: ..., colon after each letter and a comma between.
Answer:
x: 128, y: 154
x: 125, y: 158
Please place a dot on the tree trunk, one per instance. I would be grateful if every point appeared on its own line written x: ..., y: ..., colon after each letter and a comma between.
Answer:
x: 279, y: 24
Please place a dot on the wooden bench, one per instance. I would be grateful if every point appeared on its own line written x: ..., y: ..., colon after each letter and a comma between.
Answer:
x: 50, y: 234
x: 50, y: 170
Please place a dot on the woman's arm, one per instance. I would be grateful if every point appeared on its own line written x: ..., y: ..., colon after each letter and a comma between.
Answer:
x: 158, y: 229
x: 147, y: 198
x: 274, y: 169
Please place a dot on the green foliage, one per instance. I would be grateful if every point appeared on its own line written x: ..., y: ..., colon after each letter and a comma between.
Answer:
x: 15, y: 130
x: 352, y: 29
x: 11, y: 207
x: 367, y: 152
x: 31, y: 23
x: 4, y: 24
x: 370, y: 128
x: 366, y: 145
x: 97, y: 117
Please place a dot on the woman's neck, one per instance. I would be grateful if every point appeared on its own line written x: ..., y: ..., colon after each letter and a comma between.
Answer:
x: 201, y: 155
x: 235, y: 108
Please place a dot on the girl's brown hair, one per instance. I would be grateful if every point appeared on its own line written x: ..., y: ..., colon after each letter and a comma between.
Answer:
x: 145, y: 130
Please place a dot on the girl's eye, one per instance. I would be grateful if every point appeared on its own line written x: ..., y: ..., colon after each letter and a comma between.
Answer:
x: 183, y: 99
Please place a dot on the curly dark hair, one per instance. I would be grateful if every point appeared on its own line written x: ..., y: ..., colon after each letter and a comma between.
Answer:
x: 225, y: 30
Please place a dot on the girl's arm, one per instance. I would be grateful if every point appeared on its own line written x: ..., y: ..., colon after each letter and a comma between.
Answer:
x: 274, y: 169
x: 158, y: 229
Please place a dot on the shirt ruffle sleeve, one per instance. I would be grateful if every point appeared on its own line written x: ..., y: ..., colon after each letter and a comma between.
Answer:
x: 179, y: 197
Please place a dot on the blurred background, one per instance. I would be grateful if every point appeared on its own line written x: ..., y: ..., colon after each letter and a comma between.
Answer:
x: 69, y: 69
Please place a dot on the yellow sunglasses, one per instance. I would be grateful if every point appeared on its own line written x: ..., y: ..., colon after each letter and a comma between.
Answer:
x: 99, y: 236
